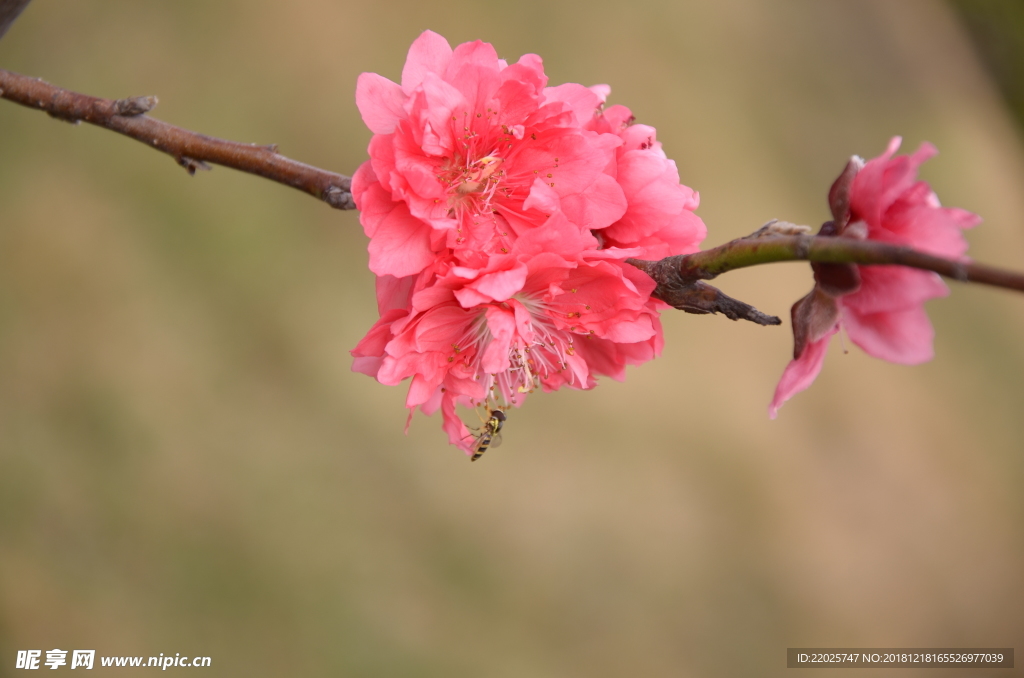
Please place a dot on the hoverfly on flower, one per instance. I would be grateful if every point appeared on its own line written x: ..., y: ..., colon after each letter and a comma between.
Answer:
x: 489, y: 434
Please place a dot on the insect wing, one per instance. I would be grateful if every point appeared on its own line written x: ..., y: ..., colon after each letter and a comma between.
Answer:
x: 483, y: 441
x: 495, y: 440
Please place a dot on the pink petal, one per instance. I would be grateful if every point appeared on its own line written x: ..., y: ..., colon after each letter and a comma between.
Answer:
x: 400, y: 246
x: 659, y: 214
x: 914, y: 221
x: 599, y: 298
x: 474, y: 54
x: 380, y: 102
x: 558, y: 236
x: 395, y: 369
x: 469, y: 297
x: 529, y: 69
x: 430, y: 110
x: 542, y: 198
x: 369, y: 352
x: 631, y: 331
x: 475, y: 72
x: 393, y: 293
x: 545, y: 270
x: 617, y: 116
x: 501, y: 285
x: 516, y: 101
x: 520, y: 92
x: 580, y: 370
x: 641, y: 282
x: 883, y: 180
x: 458, y: 434
x: 893, y: 288
x: 599, y: 205
x: 368, y: 365
x: 432, y: 404
x: 903, y: 337
x: 430, y: 53
x: 602, y: 91
x: 609, y: 358
x: 502, y: 325
x: 683, y: 235
x: 430, y: 297
x: 441, y: 327
x: 583, y: 101
x: 582, y: 158
x: 382, y: 158
x: 868, y: 186
x: 375, y: 205
x: 361, y: 181
x: 641, y: 138
x: 524, y: 321
x: 421, y: 390
x: 800, y: 373
x: 613, y: 252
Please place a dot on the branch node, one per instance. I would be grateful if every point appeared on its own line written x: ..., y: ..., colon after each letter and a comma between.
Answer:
x: 338, y: 198
x: 803, y: 246
x: 191, y: 165
x: 133, y: 106
x: 776, y: 227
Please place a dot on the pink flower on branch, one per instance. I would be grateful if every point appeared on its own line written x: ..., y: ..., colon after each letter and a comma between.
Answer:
x: 881, y: 308
x: 500, y: 214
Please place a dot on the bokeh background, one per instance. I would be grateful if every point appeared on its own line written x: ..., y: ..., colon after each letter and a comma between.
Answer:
x: 187, y: 465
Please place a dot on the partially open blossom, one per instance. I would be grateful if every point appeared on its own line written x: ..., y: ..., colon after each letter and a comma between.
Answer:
x: 500, y: 214
x: 881, y: 308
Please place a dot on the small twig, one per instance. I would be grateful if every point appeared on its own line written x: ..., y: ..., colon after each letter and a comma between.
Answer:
x: 191, y: 150
x: 9, y: 11
x: 699, y: 297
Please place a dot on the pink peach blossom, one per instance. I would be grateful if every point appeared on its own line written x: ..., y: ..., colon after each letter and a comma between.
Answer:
x: 500, y: 214
x: 575, y: 313
x: 881, y: 308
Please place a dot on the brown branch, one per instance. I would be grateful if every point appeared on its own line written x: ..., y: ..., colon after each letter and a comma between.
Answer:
x: 9, y: 11
x: 679, y: 277
x: 191, y: 150
x: 686, y: 268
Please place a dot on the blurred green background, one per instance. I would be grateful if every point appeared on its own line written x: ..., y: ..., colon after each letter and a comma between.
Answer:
x: 188, y: 465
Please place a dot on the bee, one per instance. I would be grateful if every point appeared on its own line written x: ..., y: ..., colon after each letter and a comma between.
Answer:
x: 490, y: 434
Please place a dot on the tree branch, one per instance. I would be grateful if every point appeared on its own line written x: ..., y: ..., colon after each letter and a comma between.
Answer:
x: 678, y: 278
x: 682, y: 271
x: 9, y: 11
x: 190, y: 149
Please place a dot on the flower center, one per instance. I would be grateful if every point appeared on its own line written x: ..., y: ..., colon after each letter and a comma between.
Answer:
x: 531, y: 361
x: 472, y: 184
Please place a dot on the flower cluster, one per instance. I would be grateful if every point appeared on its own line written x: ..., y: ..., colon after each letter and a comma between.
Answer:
x: 880, y: 307
x: 500, y: 214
